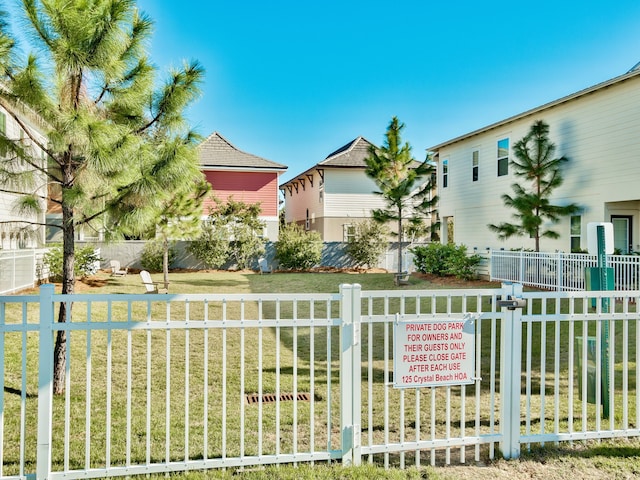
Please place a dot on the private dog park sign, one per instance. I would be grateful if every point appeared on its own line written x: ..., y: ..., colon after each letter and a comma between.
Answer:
x: 433, y: 353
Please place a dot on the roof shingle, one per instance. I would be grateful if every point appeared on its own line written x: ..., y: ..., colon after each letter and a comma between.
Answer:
x: 217, y: 151
x: 353, y: 154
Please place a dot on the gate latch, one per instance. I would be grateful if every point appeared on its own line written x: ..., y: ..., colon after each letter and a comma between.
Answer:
x: 512, y: 303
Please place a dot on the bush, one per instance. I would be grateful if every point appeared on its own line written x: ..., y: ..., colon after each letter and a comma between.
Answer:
x: 211, y: 247
x: 233, y: 232
x: 87, y: 262
x: 152, y: 254
x: 297, y: 249
x: 245, y: 246
x: 368, y: 243
x: 445, y: 260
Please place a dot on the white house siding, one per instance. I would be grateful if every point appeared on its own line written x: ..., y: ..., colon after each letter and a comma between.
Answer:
x: 348, y: 199
x: 348, y: 180
x: 356, y: 205
x: 343, y: 196
x: 11, y: 235
x: 597, y: 132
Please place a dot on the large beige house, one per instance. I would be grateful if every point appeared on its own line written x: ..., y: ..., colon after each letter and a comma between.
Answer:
x: 597, y: 129
x: 333, y: 195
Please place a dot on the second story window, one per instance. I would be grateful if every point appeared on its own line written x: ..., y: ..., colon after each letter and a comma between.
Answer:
x: 503, y: 157
x: 475, y: 158
x: 445, y: 173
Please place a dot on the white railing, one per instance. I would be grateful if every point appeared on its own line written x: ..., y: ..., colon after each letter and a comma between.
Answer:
x: 577, y: 389
x: 20, y: 269
x: 163, y: 383
x: 560, y: 271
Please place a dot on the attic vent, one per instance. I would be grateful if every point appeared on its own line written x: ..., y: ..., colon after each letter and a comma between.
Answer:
x: 272, y: 397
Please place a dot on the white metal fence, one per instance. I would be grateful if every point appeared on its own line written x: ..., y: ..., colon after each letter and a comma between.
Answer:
x: 574, y: 389
x: 20, y: 269
x: 560, y: 271
x: 162, y: 383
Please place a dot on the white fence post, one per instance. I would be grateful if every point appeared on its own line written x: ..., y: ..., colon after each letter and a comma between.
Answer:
x: 45, y: 382
x: 350, y: 376
x: 559, y: 271
x: 510, y: 373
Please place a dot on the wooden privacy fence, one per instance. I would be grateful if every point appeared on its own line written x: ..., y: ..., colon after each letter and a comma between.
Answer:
x: 165, y: 383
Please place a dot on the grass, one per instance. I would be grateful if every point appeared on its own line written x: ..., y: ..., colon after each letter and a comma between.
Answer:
x: 284, y: 363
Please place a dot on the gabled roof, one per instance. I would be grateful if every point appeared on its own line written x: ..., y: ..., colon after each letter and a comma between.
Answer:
x: 353, y: 154
x: 634, y: 72
x: 217, y: 151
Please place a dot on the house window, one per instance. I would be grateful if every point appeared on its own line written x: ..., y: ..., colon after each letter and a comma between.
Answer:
x: 503, y: 157
x: 349, y: 231
x: 445, y: 173
x: 576, y: 229
x: 307, y: 224
x: 474, y: 165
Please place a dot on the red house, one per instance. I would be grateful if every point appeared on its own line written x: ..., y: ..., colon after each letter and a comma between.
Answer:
x: 246, y: 177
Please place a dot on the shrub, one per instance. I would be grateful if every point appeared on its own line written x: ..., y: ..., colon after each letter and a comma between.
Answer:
x: 152, y: 254
x: 211, y: 247
x: 368, y: 243
x: 297, y: 249
x: 245, y: 246
x: 87, y: 262
x: 444, y: 260
x: 233, y: 232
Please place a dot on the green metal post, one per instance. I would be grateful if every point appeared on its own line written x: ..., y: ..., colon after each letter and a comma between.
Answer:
x: 602, y: 268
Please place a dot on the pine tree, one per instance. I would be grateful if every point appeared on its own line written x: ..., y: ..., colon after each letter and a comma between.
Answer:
x: 405, y: 184
x: 180, y: 217
x: 106, y: 122
x: 535, y: 163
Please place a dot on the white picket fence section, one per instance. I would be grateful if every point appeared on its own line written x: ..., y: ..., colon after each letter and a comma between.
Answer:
x: 560, y: 271
x: 166, y: 383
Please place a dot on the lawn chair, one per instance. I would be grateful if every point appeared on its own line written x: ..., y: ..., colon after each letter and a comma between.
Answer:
x: 402, y: 278
x: 116, y: 271
x: 264, y: 266
x: 151, y: 286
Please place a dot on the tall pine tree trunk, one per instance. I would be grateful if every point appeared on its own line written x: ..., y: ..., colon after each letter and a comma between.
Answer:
x: 165, y: 260
x: 68, y: 282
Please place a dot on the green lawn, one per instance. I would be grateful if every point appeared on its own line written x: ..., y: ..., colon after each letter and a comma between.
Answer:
x: 284, y: 350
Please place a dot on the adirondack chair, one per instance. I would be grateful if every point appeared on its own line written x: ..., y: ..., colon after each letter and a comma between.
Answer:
x: 116, y: 271
x: 264, y: 266
x: 402, y: 278
x: 151, y: 286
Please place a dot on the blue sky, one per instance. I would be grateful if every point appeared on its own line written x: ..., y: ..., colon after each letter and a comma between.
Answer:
x: 291, y: 81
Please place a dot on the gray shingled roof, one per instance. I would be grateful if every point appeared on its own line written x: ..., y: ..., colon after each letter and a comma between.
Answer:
x: 217, y: 151
x: 352, y: 154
